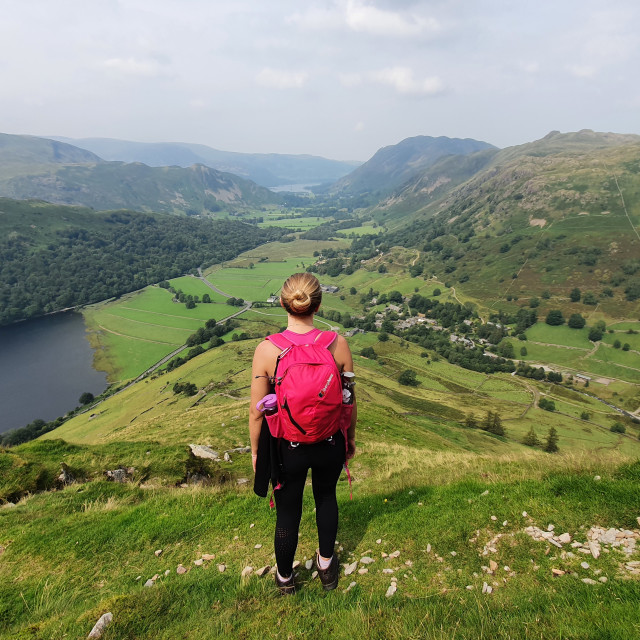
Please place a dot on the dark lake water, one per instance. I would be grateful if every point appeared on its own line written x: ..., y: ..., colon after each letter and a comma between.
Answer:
x: 45, y: 366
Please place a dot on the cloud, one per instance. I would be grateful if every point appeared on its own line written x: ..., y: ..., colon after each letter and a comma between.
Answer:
x: 280, y: 79
x: 350, y: 79
x: 362, y: 17
x: 134, y: 67
x: 582, y: 71
x: 359, y: 127
x: 403, y: 81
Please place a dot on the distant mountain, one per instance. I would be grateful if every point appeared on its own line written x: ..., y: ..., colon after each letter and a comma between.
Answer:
x: 33, y: 151
x: 551, y: 215
x: 268, y: 170
x: 62, y: 174
x: 394, y: 165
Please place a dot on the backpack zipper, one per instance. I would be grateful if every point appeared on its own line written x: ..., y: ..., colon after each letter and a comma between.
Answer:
x: 285, y: 406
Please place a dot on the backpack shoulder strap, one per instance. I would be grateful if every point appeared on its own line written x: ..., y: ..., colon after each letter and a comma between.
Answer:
x: 279, y: 341
x: 325, y: 338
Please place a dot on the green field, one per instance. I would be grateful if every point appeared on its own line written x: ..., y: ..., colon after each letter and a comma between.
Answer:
x: 137, y: 330
x: 563, y: 335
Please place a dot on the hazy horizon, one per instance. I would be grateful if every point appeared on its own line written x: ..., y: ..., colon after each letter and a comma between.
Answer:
x: 333, y: 78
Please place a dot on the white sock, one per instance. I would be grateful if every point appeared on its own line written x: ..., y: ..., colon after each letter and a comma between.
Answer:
x: 323, y: 563
x: 283, y: 579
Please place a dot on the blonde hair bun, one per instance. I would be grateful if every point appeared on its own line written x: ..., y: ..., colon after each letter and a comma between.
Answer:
x: 301, y: 294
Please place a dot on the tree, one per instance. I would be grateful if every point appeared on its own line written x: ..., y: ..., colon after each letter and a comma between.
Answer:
x: 590, y: 298
x: 618, y: 427
x: 437, y: 292
x: 617, y: 344
x: 626, y: 346
x: 595, y: 334
x: 408, y: 378
x: 383, y: 337
x: 551, y: 445
x: 190, y: 304
x: 576, y: 321
x: 353, y: 291
x: 470, y: 421
x: 368, y: 352
x: 382, y: 269
x: 585, y: 415
x: 523, y: 351
x: 206, y: 298
x: 531, y: 439
x: 575, y: 295
x: 555, y: 318
x: 488, y: 421
x: 546, y: 404
x: 86, y: 398
x: 496, y: 426
x: 506, y: 350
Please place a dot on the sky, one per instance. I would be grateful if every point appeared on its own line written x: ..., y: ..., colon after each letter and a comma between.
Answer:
x: 335, y: 78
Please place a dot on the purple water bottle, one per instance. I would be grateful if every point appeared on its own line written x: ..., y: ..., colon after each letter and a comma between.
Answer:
x: 268, y: 404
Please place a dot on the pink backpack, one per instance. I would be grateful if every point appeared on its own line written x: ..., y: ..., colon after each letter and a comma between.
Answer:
x: 308, y: 388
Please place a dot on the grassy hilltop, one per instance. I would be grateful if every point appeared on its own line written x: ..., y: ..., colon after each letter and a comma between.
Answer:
x: 453, y: 501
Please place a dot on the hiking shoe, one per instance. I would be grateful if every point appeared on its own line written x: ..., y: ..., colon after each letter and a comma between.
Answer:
x: 329, y: 576
x: 286, y: 587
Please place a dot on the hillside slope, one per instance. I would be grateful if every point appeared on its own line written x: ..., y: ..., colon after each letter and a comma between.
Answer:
x: 549, y: 216
x: 35, y: 168
x: 393, y: 165
x: 266, y: 169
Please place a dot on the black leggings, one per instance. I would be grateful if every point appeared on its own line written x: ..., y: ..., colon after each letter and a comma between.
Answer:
x: 325, y: 459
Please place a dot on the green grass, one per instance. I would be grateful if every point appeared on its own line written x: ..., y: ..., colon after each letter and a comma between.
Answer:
x: 135, y: 331
x: 195, y: 287
x: 563, y: 335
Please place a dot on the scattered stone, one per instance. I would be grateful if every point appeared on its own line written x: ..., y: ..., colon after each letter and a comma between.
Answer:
x: 138, y: 578
x: 550, y: 527
x: 181, y: 570
x: 584, y: 565
x: 505, y: 523
x: 379, y: 540
x: 387, y: 570
x: 208, y: 556
x: 120, y: 475
x: 350, y: 568
x: 239, y: 450
x: 258, y: 546
x: 252, y: 525
x: 221, y: 568
x: 98, y: 629
x: 597, y: 478
x: 493, y: 566
x: 429, y: 548
x: 314, y: 575
x: 469, y: 587
x: 565, y: 538
x: 155, y: 577
x: 203, y: 451
x: 296, y: 564
x: 242, y: 480
x: 594, y: 548
x: 486, y: 588
x: 65, y: 477
x: 351, y: 585
x: 494, y: 518
x: 557, y: 572
x: 149, y: 583
x: 409, y: 563
x: 167, y: 572
x: 419, y: 504
x: 198, y: 562
x: 485, y: 493
x: 363, y: 570
x: 308, y: 564
x: 395, y: 554
x: 453, y: 553
x: 157, y: 553
x: 263, y: 571
x: 366, y: 560
x: 391, y: 590
x: 227, y: 457
x: 603, y: 579
x: 589, y: 581
x: 246, y: 571
x: 524, y: 514
x: 506, y: 568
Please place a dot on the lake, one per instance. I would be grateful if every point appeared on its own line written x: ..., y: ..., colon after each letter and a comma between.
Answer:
x: 45, y: 366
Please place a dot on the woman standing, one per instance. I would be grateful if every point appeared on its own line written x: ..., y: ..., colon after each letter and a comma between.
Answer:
x: 301, y: 296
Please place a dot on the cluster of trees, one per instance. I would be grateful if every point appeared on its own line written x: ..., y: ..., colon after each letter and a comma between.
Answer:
x: 190, y: 301
x: 408, y: 378
x: 550, y: 445
x: 122, y: 252
x: 447, y: 314
x: 235, y: 302
x: 537, y: 373
x: 187, y: 388
x: 492, y: 423
x: 211, y: 330
x: 546, y: 404
x: 29, y: 432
